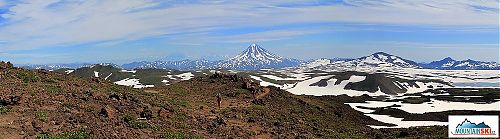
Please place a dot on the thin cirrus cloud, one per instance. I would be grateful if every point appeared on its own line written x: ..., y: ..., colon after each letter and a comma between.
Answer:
x: 36, y: 24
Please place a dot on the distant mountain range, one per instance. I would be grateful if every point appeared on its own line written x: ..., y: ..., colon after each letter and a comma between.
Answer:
x: 451, y: 64
x: 384, y: 60
x: 254, y: 57
x: 178, y: 65
x: 66, y: 66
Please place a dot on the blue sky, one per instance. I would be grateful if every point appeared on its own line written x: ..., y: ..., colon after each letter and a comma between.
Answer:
x: 68, y: 31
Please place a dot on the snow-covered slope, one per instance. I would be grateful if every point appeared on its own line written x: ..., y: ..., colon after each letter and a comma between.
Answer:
x: 317, y: 63
x: 255, y: 58
x: 451, y: 64
x: 373, y: 62
x: 384, y: 59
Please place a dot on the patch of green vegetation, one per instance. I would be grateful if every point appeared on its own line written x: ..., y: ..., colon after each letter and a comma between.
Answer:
x: 252, y: 133
x: 151, y: 76
x: 178, y: 102
x: 93, y: 87
x: 237, y: 92
x: 53, y: 89
x: 116, y: 76
x: 49, y: 80
x: 32, y: 93
x: 42, y: 116
x: 271, y: 80
x: 4, y: 109
x: 79, y: 134
x: 179, y: 135
x: 137, y: 124
x: 114, y: 88
x: 28, y: 77
x: 179, y: 116
x: 89, y: 109
x: 179, y: 90
x: 258, y: 107
x: 226, y: 111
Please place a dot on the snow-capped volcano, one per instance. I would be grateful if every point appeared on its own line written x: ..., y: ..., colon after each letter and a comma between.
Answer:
x: 256, y: 57
x: 381, y: 58
x: 256, y: 54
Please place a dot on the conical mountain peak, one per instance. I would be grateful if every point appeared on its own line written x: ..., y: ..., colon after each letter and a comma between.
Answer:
x: 256, y: 57
x: 448, y: 59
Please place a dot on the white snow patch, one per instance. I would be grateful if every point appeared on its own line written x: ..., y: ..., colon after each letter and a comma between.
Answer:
x: 400, y: 123
x: 96, y: 74
x: 264, y: 83
x: 130, y: 71
x: 185, y: 76
x: 304, y: 88
x: 278, y: 78
x: 170, y: 77
x: 132, y: 82
x: 108, y: 76
x: 423, y: 86
x: 434, y: 106
x: 69, y: 71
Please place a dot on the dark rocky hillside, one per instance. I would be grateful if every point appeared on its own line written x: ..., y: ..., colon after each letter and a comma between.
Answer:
x: 42, y: 104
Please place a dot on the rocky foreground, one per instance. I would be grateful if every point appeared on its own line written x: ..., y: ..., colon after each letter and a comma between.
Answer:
x: 42, y: 104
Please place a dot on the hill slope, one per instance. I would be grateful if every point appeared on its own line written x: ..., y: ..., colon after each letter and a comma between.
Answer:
x: 50, y: 104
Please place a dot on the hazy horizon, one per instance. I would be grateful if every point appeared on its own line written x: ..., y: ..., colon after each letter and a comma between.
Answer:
x: 105, y: 31
x: 179, y: 57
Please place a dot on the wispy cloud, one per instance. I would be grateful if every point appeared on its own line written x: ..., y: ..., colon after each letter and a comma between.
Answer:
x: 488, y: 46
x: 259, y: 36
x: 41, y: 23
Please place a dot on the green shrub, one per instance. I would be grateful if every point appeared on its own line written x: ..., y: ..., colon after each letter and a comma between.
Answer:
x: 28, y: 77
x: 179, y: 116
x: 4, y: 109
x: 179, y: 135
x: 258, y: 107
x: 32, y: 93
x: 53, y: 89
x: 80, y: 134
x: 42, y: 116
x: 179, y: 90
x: 134, y: 123
x: 177, y: 102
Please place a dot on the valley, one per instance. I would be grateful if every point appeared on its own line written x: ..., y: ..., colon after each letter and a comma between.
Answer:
x: 385, y: 91
x: 57, y: 105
